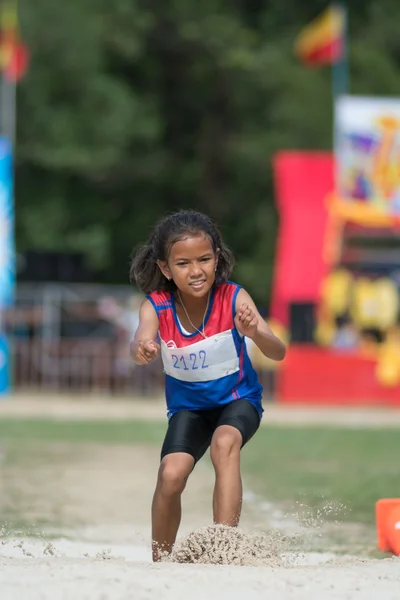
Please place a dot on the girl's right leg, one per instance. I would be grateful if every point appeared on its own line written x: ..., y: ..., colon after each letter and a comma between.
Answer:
x: 188, y: 437
x: 166, y: 508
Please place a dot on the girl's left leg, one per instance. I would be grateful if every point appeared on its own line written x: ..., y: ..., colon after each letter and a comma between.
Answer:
x: 225, y: 456
x: 237, y: 423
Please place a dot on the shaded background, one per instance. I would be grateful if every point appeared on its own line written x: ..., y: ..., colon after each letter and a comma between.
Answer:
x: 130, y: 110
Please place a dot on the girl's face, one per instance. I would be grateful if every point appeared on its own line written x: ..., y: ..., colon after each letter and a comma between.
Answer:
x: 192, y: 263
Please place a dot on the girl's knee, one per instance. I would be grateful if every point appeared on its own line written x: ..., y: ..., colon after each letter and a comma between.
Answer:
x: 225, y: 444
x: 173, y: 474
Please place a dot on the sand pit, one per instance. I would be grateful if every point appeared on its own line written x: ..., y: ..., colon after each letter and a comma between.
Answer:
x: 62, y: 570
x: 99, y: 496
x: 112, y: 561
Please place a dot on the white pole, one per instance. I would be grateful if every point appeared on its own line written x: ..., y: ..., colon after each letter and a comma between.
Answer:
x: 8, y: 110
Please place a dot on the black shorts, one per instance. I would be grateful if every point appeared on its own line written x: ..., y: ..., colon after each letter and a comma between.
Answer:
x: 191, y: 431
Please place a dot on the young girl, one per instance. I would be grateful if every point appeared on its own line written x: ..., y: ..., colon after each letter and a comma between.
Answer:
x: 212, y: 392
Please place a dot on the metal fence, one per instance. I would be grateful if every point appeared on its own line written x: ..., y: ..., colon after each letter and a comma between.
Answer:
x: 82, y: 367
x: 76, y: 339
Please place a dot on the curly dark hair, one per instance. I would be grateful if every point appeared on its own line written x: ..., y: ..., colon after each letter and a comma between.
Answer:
x: 144, y: 269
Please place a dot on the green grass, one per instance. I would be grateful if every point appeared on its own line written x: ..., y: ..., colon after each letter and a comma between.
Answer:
x: 104, y: 432
x: 316, y: 466
x: 308, y: 465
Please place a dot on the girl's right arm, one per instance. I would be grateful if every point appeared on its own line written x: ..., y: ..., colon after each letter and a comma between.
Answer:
x: 143, y: 348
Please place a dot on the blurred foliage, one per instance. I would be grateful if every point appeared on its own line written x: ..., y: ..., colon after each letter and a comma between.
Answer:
x: 135, y: 108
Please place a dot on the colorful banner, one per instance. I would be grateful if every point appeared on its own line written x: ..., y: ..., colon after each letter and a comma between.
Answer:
x: 7, y: 256
x: 368, y: 160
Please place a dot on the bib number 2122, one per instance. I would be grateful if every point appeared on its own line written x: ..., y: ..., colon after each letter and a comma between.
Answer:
x: 192, y: 362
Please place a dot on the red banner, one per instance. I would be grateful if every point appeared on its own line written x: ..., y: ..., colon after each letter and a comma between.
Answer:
x: 311, y: 375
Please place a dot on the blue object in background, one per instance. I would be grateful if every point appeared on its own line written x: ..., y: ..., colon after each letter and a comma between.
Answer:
x: 5, y: 385
x: 7, y: 257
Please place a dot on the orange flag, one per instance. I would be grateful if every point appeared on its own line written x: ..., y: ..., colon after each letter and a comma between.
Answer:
x: 322, y: 41
x: 14, y: 55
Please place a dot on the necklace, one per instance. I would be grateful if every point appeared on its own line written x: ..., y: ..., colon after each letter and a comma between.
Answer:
x: 204, y: 316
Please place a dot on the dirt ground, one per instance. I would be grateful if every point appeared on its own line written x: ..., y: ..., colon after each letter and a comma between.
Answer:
x: 46, y: 404
x: 100, y: 497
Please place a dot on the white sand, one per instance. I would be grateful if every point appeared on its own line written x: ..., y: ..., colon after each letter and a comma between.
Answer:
x: 124, y: 572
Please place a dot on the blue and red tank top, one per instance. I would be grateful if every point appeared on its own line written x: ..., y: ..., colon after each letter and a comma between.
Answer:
x: 204, y: 373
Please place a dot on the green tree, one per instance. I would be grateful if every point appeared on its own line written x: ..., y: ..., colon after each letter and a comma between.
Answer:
x: 132, y: 109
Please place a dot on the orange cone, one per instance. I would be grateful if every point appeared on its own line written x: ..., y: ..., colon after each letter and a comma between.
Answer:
x: 388, y: 524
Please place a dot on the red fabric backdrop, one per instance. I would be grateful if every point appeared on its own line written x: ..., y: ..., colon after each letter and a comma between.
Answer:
x: 302, y: 181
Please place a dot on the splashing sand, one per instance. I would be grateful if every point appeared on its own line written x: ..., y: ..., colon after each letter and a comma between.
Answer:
x: 223, y: 545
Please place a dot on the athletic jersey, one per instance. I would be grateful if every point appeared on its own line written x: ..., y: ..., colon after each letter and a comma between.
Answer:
x: 204, y: 373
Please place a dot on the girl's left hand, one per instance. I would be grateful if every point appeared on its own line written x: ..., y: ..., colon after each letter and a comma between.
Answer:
x: 246, y: 321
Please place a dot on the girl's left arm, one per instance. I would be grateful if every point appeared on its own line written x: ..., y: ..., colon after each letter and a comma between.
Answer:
x: 250, y: 323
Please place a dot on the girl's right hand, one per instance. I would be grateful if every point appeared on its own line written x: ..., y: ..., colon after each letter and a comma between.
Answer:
x: 147, y: 351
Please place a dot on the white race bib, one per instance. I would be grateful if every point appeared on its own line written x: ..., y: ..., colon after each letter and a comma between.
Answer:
x: 209, y: 359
